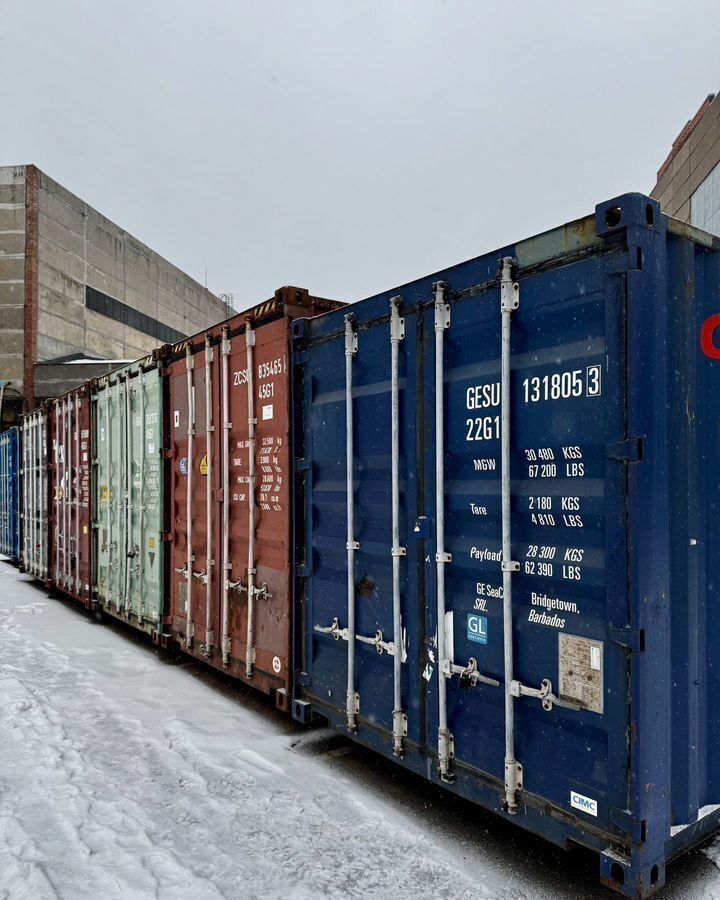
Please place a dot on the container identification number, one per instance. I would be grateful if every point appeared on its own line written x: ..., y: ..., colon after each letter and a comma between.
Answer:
x: 563, y: 385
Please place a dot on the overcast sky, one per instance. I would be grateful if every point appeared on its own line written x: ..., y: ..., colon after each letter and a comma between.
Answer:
x: 347, y: 146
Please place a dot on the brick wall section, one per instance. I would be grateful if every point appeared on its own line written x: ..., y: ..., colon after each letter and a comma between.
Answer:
x: 30, y: 350
x: 695, y: 154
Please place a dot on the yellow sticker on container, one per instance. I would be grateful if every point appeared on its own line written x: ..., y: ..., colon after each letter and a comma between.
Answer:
x: 85, y: 529
x: 104, y: 493
x: 151, y: 543
x: 203, y: 465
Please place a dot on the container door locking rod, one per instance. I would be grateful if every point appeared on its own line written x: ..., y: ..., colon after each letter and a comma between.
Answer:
x: 509, y: 302
x: 207, y: 647
x: 446, y: 749
x: 353, y: 698
x: 252, y: 422
x: 400, y: 722
x: 227, y: 565
x: 139, y: 568
x: 189, y: 365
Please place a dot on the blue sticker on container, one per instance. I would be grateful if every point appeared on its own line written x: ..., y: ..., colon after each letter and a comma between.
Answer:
x: 183, y: 466
x: 477, y: 628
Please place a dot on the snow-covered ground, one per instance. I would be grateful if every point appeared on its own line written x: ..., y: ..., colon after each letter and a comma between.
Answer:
x: 123, y: 775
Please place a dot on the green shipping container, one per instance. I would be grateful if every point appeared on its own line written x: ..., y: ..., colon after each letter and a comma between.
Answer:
x: 129, y: 486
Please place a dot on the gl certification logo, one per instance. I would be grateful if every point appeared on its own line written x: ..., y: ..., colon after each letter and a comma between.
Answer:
x: 477, y: 628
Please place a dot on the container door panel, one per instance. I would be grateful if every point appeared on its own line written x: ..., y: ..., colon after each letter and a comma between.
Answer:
x: 372, y: 568
x: 567, y: 520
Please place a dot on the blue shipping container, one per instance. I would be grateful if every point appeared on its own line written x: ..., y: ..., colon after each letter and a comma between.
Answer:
x: 535, y: 621
x: 9, y: 496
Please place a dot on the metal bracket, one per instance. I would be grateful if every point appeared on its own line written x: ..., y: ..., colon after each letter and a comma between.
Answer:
x: 351, y: 338
x: 334, y: 629
x: 262, y: 591
x: 235, y: 586
x: 513, y: 779
x: 509, y: 566
x: 630, y: 825
x: 250, y: 338
x: 470, y: 672
x: 509, y: 289
x: 446, y: 753
x: 443, y: 557
x: 352, y: 545
x: 397, y: 322
x: 442, y: 309
x: 201, y: 576
x: 398, y: 551
x: 182, y: 571
x: 545, y: 694
x: 626, y: 636
x: 630, y: 450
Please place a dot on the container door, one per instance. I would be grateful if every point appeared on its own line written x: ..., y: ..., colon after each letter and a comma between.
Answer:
x: 36, y: 514
x: 566, y: 504
x: 193, y: 570
x: 82, y: 492
x: 145, y: 600
x: 110, y: 538
x: 371, y: 667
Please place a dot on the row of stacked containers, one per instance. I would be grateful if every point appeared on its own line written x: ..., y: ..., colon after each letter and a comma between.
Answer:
x: 473, y: 521
x: 161, y: 493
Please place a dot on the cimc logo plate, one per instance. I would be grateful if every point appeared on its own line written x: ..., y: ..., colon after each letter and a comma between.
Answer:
x: 585, y: 804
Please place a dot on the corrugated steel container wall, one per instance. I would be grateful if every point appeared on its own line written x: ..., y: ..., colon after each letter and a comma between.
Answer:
x: 70, y: 490
x: 571, y: 685
x: 35, y: 495
x: 212, y: 380
x: 129, y: 493
x: 9, y: 488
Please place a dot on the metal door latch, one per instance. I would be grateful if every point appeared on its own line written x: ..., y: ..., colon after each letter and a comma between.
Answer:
x: 469, y: 673
x: 545, y: 694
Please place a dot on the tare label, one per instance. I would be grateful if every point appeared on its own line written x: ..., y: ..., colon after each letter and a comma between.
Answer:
x: 477, y: 628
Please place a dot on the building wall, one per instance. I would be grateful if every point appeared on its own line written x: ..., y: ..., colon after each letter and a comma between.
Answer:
x: 43, y: 291
x: 12, y: 273
x: 688, y: 185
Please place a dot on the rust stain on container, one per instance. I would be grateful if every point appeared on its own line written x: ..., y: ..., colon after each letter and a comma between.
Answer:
x: 70, y: 494
x: 230, y: 581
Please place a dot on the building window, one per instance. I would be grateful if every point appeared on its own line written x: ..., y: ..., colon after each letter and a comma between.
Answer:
x: 108, y: 306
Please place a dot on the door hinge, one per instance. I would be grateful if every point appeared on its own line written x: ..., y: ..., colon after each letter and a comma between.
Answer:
x: 302, y: 571
x: 630, y: 450
x: 302, y: 465
x: 300, y: 357
x: 636, y: 828
x: 632, y: 638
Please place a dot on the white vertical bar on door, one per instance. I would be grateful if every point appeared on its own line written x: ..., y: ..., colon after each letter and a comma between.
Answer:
x: 442, y: 557
x: 189, y: 364
x: 509, y: 302
x: 352, y: 705
x: 250, y: 648
x: 397, y: 334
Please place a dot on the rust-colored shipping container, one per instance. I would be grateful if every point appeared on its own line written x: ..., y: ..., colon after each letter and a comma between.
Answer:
x: 231, y: 492
x: 70, y: 493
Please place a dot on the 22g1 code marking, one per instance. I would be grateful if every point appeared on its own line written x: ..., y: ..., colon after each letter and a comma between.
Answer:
x: 563, y: 385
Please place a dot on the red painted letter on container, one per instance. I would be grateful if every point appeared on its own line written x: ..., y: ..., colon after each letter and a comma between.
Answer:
x: 707, y: 332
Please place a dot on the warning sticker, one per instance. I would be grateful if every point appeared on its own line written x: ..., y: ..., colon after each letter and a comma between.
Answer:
x: 151, y: 543
x: 580, y: 671
x: 104, y: 493
x: 203, y: 465
x: 267, y: 411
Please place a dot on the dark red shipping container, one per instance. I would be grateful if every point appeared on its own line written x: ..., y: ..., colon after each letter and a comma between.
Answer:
x: 231, y: 492
x: 70, y: 493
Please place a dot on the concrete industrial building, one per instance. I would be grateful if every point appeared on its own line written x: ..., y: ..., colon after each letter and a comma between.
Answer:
x: 76, y: 287
x: 688, y: 182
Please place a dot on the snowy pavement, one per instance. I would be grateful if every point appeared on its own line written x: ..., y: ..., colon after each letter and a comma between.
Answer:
x: 122, y: 775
